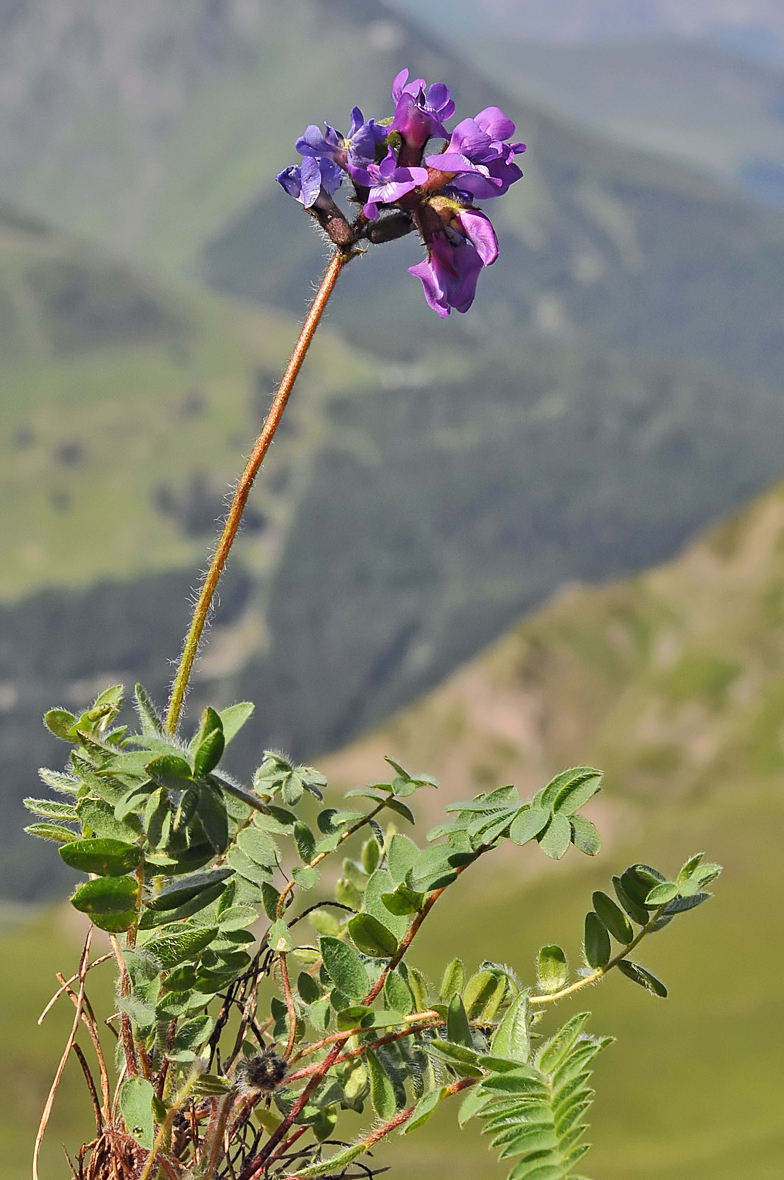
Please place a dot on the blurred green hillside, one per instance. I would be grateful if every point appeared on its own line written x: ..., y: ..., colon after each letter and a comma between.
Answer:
x: 690, y: 100
x: 673, y: 682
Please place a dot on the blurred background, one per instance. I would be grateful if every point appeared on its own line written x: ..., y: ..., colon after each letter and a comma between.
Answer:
x: 548, y: 532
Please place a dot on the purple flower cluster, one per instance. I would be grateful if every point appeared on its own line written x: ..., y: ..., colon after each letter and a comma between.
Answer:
x: 403, y: 185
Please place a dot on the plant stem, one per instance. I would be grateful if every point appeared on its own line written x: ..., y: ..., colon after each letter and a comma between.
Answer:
x: 166, y: 1126
x: 600, y: 972
x: 209, y: 586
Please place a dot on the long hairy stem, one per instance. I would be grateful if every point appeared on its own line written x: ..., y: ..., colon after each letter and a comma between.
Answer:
x: 220, y: 557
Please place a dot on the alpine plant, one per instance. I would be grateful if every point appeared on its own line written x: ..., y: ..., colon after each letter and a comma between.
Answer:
x: 264, y: 933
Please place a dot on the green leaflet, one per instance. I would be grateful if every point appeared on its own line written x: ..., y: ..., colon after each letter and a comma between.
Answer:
x: 182, y: 889
x: 382, y: 1093
x: 107, y: 895
x: 345, y: 968
x: 585, y: 835
x: 457, y: 1027
x: 577, y: 790
x: 528, y: 823
x: 136, y: 1096
x: 208, y: 753
x: 258, y: 846
x: 423, y: 1110
x: 335, y: 1163
x: 379, y: 883
x: 511, y: 1038
x: 371, y: 937
x: 643, y: 977
x: 54, y: 832
x: 554, y: 1051
x: 234, y: 717
x: 199, y: 901
x: 478, y: 992
x: 596, y: 942
x: 557, y: 837
x: 552, y: 971
x: 453, y: 980
x: 661, y: 894
x: 397, y: 994
x: 613, y: 918
x: 172, y: 949
x: 51, y: 808
x: 535, y: 1112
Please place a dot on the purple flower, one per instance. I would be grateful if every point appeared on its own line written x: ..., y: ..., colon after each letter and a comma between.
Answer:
x: 356, y: 148
x: 310, y: 180
x: 477, y: 153
x: 420, y: 113
x: 387, y: 182
x: 478, y: 229
x: 449, y: 274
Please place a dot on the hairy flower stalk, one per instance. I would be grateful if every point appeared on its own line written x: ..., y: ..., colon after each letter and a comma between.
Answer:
x: 401, y: 186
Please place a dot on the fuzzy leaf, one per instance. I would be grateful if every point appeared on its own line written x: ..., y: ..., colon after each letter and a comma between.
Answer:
x: 613, y: 917
x: 305, y: 876
x: 61, y: 723
x: 551, y: 969
x: 259, y: 846
x: 106, y: 895
x: 634, y: 909
x: 108, y: 858
x: 477, y: 992
x: 528, y: 823
x: 557, y: 837
x: 53, y: 832
x: 136, y: 1096
x: 423, y: 1110
x: 371, y: 937
x: 403, y: 901
x: 511, y: 1038
x: 661, y: 894
x: 582, y: 785
x: 379, y: 885
x: 458, y: 1029
x: 172, y: 949
x: 585, y: 835
x: 209, y: 753
x: 382, y: 1093
x: 345, y: 968
x: 215, y: 821
x: 452, y: 981
x: 397, y: 994
x: 645, y: 979
x: 51, y: 808
x: 182, y: 889
x: 234, y: 717
x: 597, y: 941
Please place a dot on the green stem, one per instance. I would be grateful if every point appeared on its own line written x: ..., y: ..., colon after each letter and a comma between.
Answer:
x: 600, y: 972
x: 166, y: 1126
x: 209, y: 586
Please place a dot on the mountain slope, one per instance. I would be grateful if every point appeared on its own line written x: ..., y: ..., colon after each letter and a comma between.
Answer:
x: 674, y: 683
